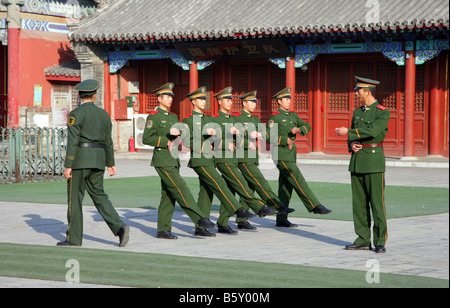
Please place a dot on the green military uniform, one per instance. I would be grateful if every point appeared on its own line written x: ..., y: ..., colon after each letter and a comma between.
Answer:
x: 248, y: 157
x: 167, y: 165
x: 367, y: 167
x: 89, y: 150
x: 202, y: 161
x: 227, y: 164
x: 290, y: 177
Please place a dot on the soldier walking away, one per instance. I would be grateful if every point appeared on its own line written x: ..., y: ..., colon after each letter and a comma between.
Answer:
x: 89, y: 150
x: 284, y: 153
x: 161, y: 132
x: 367, y: 166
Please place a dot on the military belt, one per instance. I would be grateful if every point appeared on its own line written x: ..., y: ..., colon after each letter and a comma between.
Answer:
x: 372, y: 145
x: 90, y: 145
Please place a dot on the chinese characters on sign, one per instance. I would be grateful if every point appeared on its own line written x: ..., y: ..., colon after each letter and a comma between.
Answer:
x: 242, y: 49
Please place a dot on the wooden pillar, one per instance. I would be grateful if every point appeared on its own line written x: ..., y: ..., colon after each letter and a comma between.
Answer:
x: 193, y: 76
x: 107, y: 87
x: 317, y: 123
x: 13, y: 77
x: 434, y: 132
x: 410, y: 98
x: 193, y: 85
x: 290, y: 80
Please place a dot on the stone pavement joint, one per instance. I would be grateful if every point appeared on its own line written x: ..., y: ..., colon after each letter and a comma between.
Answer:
x: 416, y: 245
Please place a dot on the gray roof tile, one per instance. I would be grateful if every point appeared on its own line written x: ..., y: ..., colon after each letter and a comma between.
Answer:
x: 182, y: 19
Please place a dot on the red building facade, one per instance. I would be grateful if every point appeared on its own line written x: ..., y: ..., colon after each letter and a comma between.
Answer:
x: 314, y: 48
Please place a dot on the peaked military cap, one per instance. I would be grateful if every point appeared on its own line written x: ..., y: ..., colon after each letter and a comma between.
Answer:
x: 250, y: 96
x: 365, y: 83
x: 225, y: 93
x: 165, y: 89
x: 87, y: 87
x: 199, y: 93
x: 286, y: 92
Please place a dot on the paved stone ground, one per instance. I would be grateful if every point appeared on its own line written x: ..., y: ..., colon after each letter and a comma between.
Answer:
x: 416, y: 245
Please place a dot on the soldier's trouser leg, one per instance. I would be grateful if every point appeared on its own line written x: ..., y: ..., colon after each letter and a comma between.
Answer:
x: 92, y: 181
x: 284, y: 193
x: 205, y: 198
x: 291, y: 173
x: 256, y: 181
x: 165, y: 209
x: 238, y: 184
x: 211, y: 177
x: 175, y: 186
x: 367, y: 194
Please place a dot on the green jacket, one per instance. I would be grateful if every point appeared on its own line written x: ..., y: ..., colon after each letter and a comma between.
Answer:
x: 369, y: 125
x: 195, y: 138
x: 285, y: 121
x: 250, y: 123
x: 157, y: 134
x: 89, y: 124
x: 222, y: 153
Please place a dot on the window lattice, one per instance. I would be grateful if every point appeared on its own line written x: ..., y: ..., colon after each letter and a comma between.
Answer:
x: 301, y: 90
x: 338, y: 86
x: 239, y: 82
x: 386, y: 92
x: 259, y: 83
x: 278, y: 84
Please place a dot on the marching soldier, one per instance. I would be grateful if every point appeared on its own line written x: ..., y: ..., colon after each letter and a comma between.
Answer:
x: 227, y: 164
x: 282, y: 128
x: 199, y: 135
x: 161, y: 132
x: 367, y: 166
x: 89, y: 150
x: 248, y: 159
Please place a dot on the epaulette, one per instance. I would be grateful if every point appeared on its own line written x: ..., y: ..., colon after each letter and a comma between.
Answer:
x: 216, y: 115
x: 275, y: 112
x: 188, y: 116
x: 236, y: 114
x: 154, y: 112
x: 381, y: 107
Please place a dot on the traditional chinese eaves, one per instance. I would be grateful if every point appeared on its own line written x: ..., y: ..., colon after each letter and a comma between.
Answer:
x: 144, y: 20
x: 67, y: 69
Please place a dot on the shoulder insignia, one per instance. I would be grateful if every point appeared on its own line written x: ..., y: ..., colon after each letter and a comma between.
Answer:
x: 71, y: 121
x: 236, y: 114
x: 275, y: 112
x: 154, y: 112
x: 188, y: 116
x: 381, y: 107
x: 216, y: 115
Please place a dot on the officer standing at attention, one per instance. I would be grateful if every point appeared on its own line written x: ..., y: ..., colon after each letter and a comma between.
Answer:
x: 282, y: 128
x: 248, y: 157
x: 367, y: 166
x: 227, y: 164
x: 161, y: 132
x: 89, y: 150
x: 198, y: 135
